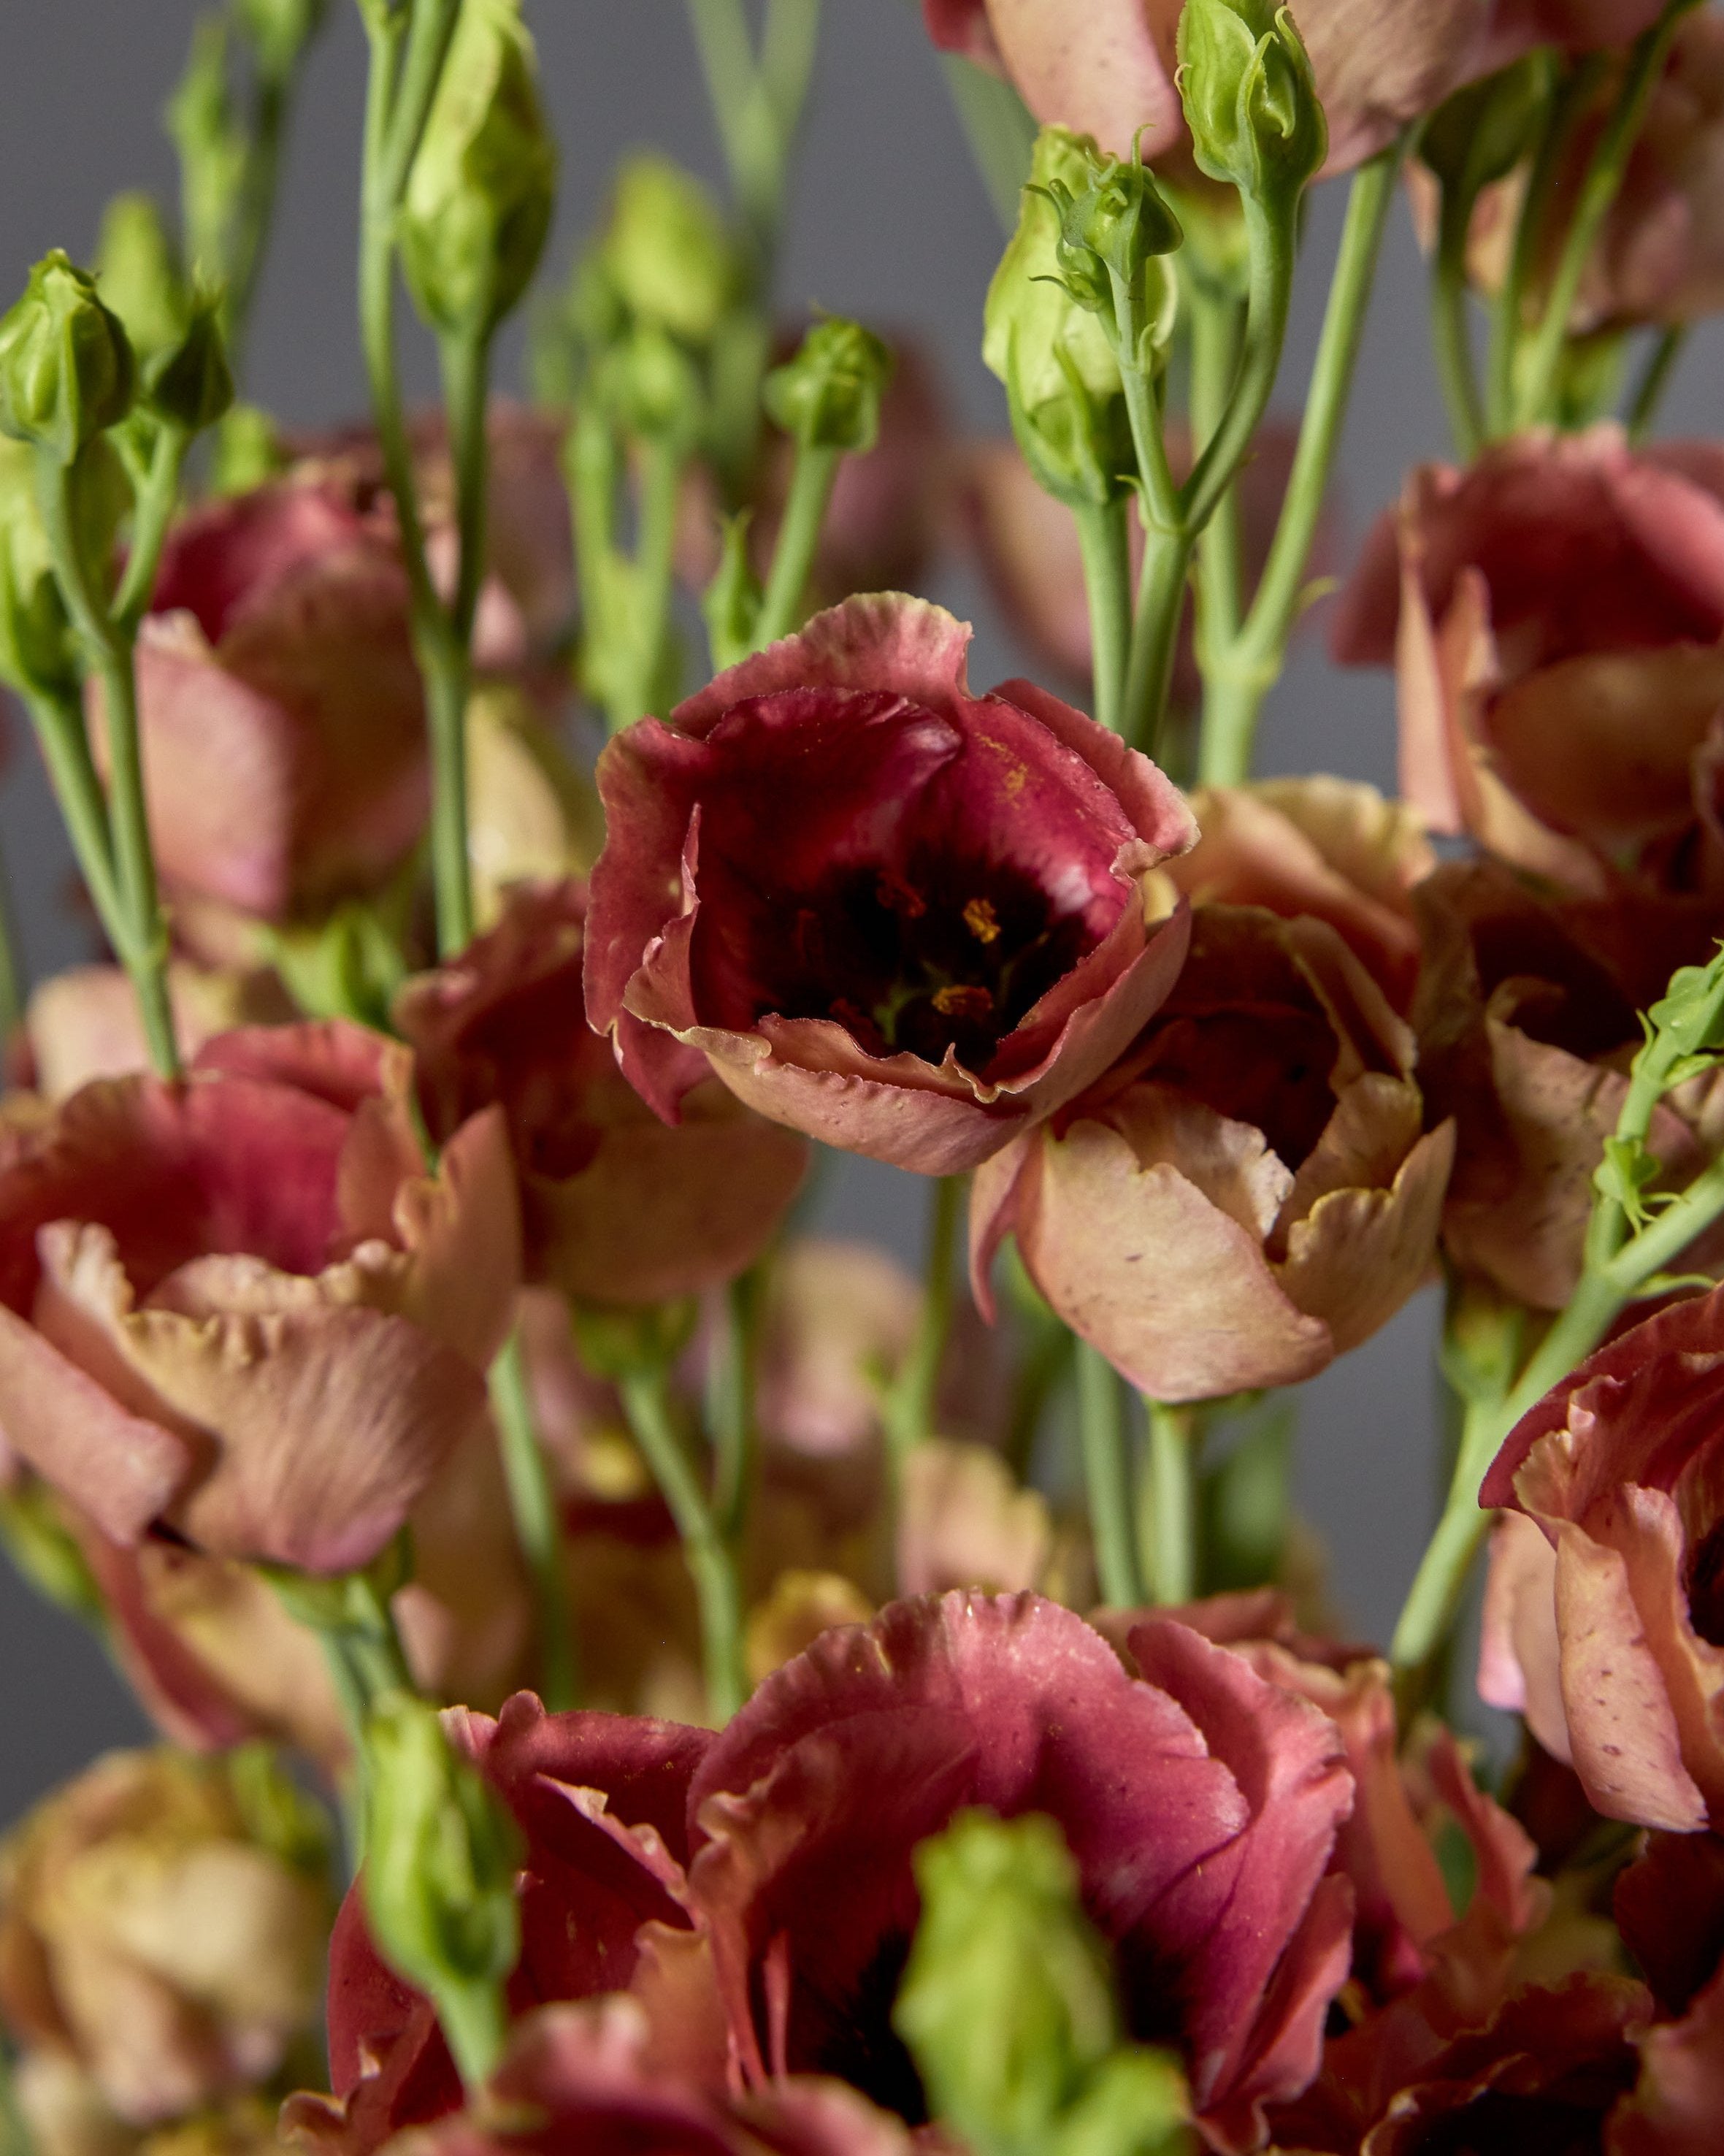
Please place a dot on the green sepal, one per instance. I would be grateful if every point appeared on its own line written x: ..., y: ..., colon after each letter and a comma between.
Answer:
x: 67, y: 372
x: 1250, y: 99
x: 731, y: 604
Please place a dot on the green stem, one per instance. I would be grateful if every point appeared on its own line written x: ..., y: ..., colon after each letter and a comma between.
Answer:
x: 155, y: 504
x: 1155, y: 637
x: 256, y: 214
x: 1044, y: 1365
x: 1537, y: 379
x: 1217, y: 323
x: 1243, y: 678
x: 1171, y: 1560
x: 654, y: 581
x: 1654, y: 378
x: 1102, y: 1427
x: 756, y: 103
x: 1563, y: 111
x: 909, y: 1407
x: 1451, y: 330
x: 538, y: 1528
x: 730, y: 1404
x: 1271, y: 238
x: 1105, y: 540
x: 108, y: 650
x: 64, y: 742
x: 646, y: 1401
x: 811, y: 485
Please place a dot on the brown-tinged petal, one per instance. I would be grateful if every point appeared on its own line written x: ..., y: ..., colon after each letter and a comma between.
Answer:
x: 1165, y: 1264
x: 1360, y: 1252
x: 1677, y: 2102
x: 84, y: 1023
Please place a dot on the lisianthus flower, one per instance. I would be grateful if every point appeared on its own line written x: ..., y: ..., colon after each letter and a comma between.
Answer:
x: 1527, y: 1018
x: 601, y: 1802
x: 282, y: 713
x: 1619, y: 1466
x: 616, y: 1207
x: 1556, y: 614
x: 84, y: 1023
x: 1329, y: 847
x: 152, y: 1934
x: 1251, y: 1189
x: 1199, y: 1803
x: 903, y: 919
x: 239, y: 1307
x: 1378, y: 63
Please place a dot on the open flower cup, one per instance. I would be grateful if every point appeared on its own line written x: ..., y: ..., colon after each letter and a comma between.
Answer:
x: 904, y: 920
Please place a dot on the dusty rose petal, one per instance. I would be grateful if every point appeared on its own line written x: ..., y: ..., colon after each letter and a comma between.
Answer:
x: 1518, y: 1647
x: 964, y: 1521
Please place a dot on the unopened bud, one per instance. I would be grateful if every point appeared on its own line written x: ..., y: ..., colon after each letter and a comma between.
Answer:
x: 667, y: 253
x: 1055, y: 355
x: 212, y: 146
x: 1008, y: 2004
x: 138, y: 275
x: 484, y: 183
x: 280, y: 30
x: 731, y: 604
x: 191, y: 386
x: 66, y: 368
x: 1485, y: 128
x: 828, y: 394
x: 438, y: 1876
x: 652, y: 386
x: 1250, y: 99
x: 38, y: 656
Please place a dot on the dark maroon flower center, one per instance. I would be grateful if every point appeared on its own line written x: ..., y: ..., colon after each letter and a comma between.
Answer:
x: 1706, y: 1586
x: 1498, y: 2125
x: 934, y: 954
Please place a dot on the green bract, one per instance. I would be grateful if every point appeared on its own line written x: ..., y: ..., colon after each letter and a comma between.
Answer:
x: 828, y: 395
x: 1007, y: 2006
x: 480, y: 194
x: 1055, y: 356
x: 1250, y: 100
x: 139, y: 275
x: 667, y: 253
x: 439, y: 1862
x: 66, y: 368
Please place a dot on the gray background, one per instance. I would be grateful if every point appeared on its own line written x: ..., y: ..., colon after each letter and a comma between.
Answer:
x: 890, y: 225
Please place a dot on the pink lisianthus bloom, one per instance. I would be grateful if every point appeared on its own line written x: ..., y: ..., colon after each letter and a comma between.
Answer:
x: 1527, y: 1018
x: 1108, y: 69
x: 904, y: 919
x: 1251, y: 1190
x: 1619, y: 1466
x: 239, y: 1307
x: 1200, y: 1803
x: 616, y: 1207
x: 1556, y: 615
x: 282, y: 713
x: 601, y: 1801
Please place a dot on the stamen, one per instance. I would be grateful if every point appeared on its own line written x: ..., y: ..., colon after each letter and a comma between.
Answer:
x: 962, y: 1002
x: 982, y: 920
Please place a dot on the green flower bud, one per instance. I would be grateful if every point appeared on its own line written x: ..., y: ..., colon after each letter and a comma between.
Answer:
x: 248, y: 451
x: 280, y: 30
x: 482, y: 188
x: 1249, y: 97
x: 1485, y: 129
x: 652, y: 386
x: 38, y: 652
x: 731, y: 604
x: 438, y: 1875
x: 66, y: 368
x: 1055, y: 356
x: 667, y: 251
x: 828, y: 394
x: 1007, y: 2006
x: 138, y: 275
x: 213, y: 148
x: 192, y: 385
x: 1116, y: 229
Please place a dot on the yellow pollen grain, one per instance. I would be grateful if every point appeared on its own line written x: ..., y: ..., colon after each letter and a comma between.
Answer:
x: 982, y: 920
x: 962, y: 1001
